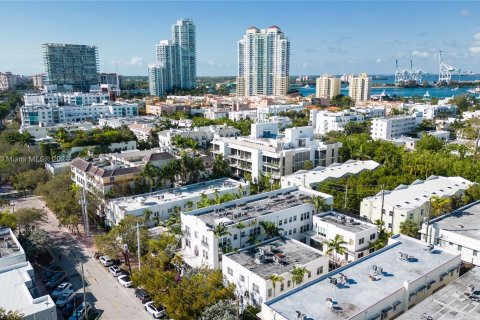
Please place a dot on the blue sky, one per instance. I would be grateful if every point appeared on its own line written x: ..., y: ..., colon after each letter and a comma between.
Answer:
x: 333, y: 37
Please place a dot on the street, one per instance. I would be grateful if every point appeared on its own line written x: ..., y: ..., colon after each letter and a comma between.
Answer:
x: 102, y: 289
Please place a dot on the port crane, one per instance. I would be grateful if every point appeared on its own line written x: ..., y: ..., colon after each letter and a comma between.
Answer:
x: 445, y: 71
x: 407, y: 75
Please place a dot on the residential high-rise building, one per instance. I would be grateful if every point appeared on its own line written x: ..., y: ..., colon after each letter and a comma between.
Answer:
x: 71, y: 64
x: 360, y: 87
x: 176, y: 60
x: 327, y: 86
x: 8, y: 80
x: 263, y: 62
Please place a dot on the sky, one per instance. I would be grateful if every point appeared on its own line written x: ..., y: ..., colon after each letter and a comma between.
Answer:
x: 325, y: 36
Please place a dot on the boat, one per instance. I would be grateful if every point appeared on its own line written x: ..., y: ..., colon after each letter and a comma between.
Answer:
x: 474, y: 91
x: 307, y: 86
x: 426, y: 95
x: 454, y: 89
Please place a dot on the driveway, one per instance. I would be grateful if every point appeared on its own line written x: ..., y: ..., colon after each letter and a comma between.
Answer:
x: 102, y: 289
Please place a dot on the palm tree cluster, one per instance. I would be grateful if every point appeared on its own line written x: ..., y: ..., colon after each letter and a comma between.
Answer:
x: 336, y: 246
x: 205, y: 201
x: 184, y: 142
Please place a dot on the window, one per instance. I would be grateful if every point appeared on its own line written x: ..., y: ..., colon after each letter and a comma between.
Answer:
x: 280, y: 222
x: 242, y: 278
x: 294, y: 230
x: 269, y: 292
x: 294, y: 218
x: 187, y: 242
x: 301, y: 217
x: 301, y: 229
x: 309, y: 274
x: 410, y: 216
x: 230, y: 271
x: 235, y: 236
x: 319, y: 270
x: 282, y: 286
x: 205, y: 254
x: 290, y: 220
x: 360, y: 255
x: 290, y: 232
x: 255, y: 288
x: 285, y: 220
x: 372, y: 236
x: 459, y: 248
x: 350, y: 242
x: 475, y: 252
x: 361, y: 241
x: 289, y: 283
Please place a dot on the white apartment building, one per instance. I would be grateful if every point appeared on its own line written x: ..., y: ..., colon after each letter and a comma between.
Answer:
x: 312, y: 178
x: 431, y: 112
x: 382, y: 285
x: 335, y: 121
x: 203, y: 135
x: 141, y: 130
x: 395, y: 127
x: 327, y: 86
x: 411, y: 202
x: 288, y: 208
x: 8, y: 80
x: 267, y: 151
x: 360, y: 87
x: 66, y: 99
x: 263, y: 63
x: 39, y: 132
x: 457, y: 232
x: 242, y: 115
x: 18, y: 290
x: 471, y: 114
x: 263, y: 113
x: 138, y: 158
x: 119, y: 122
x: 46, y: 115
x: 249, y: 269
x: 370, y: 111
x: 162, y: 204
x: 358, y: 234
x: 216, y: 113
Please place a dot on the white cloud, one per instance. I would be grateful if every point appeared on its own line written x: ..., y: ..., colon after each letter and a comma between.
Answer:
x: 306, y: 65
x: 476, y: 36
x: 380, y: 60
x: 474, y: 50
x: 136, y: 61
x: 421, y: 54
x: 464, y: 12
x: 211, y: 62
x: 475, y: 47
x: 401, y: 54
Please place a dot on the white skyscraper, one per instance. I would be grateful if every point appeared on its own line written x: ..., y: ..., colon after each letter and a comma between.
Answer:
x: 263, y: 62
x: 327, y: 86
x: 176, y: 62
x: 360, y: 87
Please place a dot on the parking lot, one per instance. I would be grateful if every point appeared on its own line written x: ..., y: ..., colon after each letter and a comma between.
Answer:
x: 103, y: 291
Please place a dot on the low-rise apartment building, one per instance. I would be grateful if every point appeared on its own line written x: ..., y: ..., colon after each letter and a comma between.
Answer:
x: 335, y: 121
x: 141, y: 130
x: 250, y: 269
x: 395, y: 127
x: 274, y: 110
x: 18, y: 290
x: 202, y: 135
x: 290, y: 209
x: 312, y: 178
x: 458, y: 300
x: 139, y: 158
x: 457, y: 232
x: 357, y: 233
x: 165, y: 109
x: 431, y: 112
x: 268, y: 152
x: 411, y: 202
x: 382, y: 285
x: 162, y: 204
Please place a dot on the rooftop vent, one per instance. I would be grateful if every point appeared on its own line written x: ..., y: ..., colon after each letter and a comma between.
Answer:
x: 300, y: 315
x: 259, y: 258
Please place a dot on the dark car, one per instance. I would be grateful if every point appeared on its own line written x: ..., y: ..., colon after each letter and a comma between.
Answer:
x: 51, y: 271
x: 55, y: 280
x: 71, y: 305
x: 142, y: 295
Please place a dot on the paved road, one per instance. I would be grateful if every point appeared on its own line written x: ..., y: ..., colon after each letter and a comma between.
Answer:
x: 102, y: 289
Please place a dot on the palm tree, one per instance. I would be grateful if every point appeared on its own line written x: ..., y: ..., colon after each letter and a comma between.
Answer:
x: 240, y: 226
x: 319, y: 204
x: 409, y: 228
x: 221, y: 230
x: 271, y: 229
x: 150, y: 173
x: 189, y: 205
x: 440, y: 206
x: 192, y: 144
x: 336, y: 246
x: 204, y: 201
x: 221, y: 167
x: 298, y: 273
x: 275, y: 278
x: 26, y: 139
x: 361, y: 153
x: 61, y: 135
x: 196, y: 167
x: 177, y: 140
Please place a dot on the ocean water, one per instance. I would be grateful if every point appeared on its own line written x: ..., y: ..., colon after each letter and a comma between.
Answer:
x: 410, y: 92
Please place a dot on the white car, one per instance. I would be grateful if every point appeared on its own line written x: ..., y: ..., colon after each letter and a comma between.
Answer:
x: 62, y: 287
x: 125, y: 281
x: 65, y: 297
x: 106, y: 261
x: 116, y: 271
x: 156, y: 311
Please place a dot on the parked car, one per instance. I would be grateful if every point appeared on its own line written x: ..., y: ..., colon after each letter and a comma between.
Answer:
x: 79, y: 312
x: 71, y: 305
x: 106, y: 261
x: 142, y: 295
x: 125, y: 281
x: 51, y: 271
x: 65, y: 297
x: 157, y: 311
x: 116, y: 271
x: 55, y: 280
x: 62, y: 287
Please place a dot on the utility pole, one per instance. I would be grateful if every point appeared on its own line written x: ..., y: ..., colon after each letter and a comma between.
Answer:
x: 84, y: 293
x: 138, y: 245
x: 346, y: 197
x: 428, y: 218
x: 383, y: 202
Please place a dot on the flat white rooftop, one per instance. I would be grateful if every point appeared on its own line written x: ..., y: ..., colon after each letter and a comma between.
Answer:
x: 148, y: 200
x: 347, y: 223
x: 360, y: 292
x: 333, y: 171
x: 420, y: 191
x: 450, y: 303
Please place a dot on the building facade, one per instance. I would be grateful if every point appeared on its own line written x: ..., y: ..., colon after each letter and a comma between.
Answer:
x: 395, y: 127
x: 335, y: 121
x: 327, y: 86
x: 71, y: 64
x: 360, y: 87
x: 263, y: 62
x: 8, y: 80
